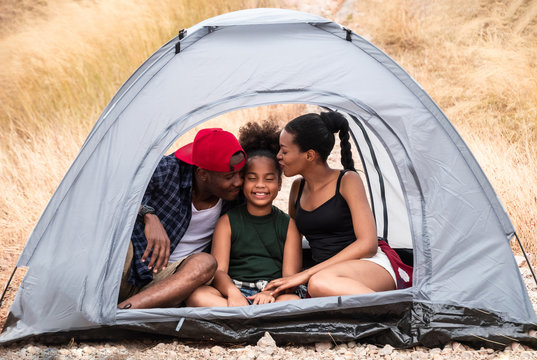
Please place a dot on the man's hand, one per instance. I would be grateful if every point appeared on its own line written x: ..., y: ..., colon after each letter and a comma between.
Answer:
x: 237, y: 300
x: 263, y: 297
x: 158, y: 243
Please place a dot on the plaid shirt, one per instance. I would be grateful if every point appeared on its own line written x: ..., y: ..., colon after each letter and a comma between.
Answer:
x: 170, y: 193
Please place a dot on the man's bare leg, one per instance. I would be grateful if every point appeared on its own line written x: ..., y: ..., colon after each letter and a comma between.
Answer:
x: 194, y: 271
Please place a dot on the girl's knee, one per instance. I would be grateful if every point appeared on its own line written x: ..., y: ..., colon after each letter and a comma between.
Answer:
x: 196, y: 298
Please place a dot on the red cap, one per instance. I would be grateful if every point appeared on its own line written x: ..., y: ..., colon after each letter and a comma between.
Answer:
x: 212, y: 150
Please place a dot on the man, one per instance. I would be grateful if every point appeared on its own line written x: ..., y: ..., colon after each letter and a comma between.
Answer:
x: 186, y: 195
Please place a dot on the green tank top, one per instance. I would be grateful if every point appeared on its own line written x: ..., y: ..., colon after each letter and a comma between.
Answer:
x: 256, y: 244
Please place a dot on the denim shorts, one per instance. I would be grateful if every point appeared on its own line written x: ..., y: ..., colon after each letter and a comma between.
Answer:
x: 300, y: 291
x: 248, y: 292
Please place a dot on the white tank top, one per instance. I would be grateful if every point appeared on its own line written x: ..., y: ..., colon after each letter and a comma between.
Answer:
x: 199, y: 232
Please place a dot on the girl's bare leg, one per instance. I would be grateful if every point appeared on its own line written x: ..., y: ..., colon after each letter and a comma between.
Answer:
x: 206, y: 296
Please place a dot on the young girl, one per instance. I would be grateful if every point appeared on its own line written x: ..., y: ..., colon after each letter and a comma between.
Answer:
x: 331, y: 209
x: 256, y: 242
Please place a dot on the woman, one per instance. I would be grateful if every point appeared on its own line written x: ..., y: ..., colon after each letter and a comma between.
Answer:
x: 331, y: 209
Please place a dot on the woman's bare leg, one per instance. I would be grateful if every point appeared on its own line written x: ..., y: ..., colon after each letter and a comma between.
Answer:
x: 287, y: 297
x: 350, y: 278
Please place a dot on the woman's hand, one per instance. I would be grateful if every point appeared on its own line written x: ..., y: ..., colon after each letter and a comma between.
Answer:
x: 278, y: 286
x: 263, y: 297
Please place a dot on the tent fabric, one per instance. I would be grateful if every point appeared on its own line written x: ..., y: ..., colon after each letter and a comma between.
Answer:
x: 434, y: 195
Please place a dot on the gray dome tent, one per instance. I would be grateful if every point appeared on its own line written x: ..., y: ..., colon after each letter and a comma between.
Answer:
x: 428, y: 193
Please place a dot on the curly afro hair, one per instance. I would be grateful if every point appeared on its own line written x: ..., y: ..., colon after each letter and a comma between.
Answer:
x: 255, y: 137
x: 261, y: 139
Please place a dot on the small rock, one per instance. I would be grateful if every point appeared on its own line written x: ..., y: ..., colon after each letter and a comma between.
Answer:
x: 361, y: 351
x: 264, y: 357
x: 32, y: 350
x: 159, y: 346
x: 77, y: 352
x: 323, y: 346
x: 435, y: 351
x: 386, y: 350
x: 266, y: 341
x: 217, y: 349
x: 467, y: 355
x: 423, y: 355
x: 458, y: 347
x: 517, y: 347
x: 351, y: 344
x: 533, y: 333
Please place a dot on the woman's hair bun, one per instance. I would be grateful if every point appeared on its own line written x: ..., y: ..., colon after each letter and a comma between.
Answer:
x: 334, y: 121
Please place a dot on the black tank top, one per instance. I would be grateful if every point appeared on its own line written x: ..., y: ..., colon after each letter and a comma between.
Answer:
x: 328, y: 228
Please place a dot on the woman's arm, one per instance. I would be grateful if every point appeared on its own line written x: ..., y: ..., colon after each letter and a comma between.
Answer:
x: 353, y: 191
x: 221, y: 248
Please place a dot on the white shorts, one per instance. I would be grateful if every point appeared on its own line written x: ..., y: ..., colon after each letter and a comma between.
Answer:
x: 381, y: 259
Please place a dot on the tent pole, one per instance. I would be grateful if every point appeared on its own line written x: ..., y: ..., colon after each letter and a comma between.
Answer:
x: 526, y: 256
x: 7, y: 285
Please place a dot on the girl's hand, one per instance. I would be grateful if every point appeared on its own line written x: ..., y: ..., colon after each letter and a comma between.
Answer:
x: 237, y: 300
x: 278, y: 286
x: 261, y: 298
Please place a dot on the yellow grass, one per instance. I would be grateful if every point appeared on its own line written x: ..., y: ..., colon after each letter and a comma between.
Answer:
x: 62, y: 61
x: 476, y: 58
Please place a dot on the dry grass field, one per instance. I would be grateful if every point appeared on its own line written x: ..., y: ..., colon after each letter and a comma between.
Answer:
x: 476, y: 58
x: 62, y: 61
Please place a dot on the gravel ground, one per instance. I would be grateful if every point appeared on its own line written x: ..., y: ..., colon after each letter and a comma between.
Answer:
x: 266, y: 348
